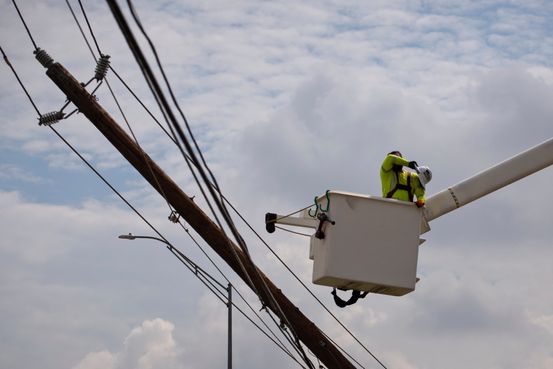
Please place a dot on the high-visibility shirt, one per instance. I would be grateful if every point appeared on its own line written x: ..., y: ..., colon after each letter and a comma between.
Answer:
x: 391, y: 172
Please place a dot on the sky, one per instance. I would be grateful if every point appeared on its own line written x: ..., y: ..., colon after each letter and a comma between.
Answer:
x: 286, y: 99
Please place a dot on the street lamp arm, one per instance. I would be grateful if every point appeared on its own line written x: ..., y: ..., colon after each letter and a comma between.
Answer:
x: 131, y: 236
x: 194, y: 268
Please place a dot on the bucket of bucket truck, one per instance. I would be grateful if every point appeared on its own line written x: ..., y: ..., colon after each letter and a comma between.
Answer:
x: 372, y: 245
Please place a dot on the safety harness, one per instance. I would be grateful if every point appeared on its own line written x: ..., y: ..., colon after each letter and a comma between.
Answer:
x: 355, y: 295
x: 400, y: 186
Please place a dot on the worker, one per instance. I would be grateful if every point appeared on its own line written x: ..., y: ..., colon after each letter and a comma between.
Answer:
x: 401, y: 184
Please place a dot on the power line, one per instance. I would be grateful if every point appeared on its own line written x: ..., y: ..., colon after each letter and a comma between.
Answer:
x: 25, y: 24
x: 136, y: 140
x: 51, y: 61
x: 88, y: 23
x: 258, y: 236
x: 147, y: 71
x: 185, y: 260
x: 130, y: 128
x: 172, y: 249
x: 226, y: 278
x: 252, y: 229
x: 19, y: 80
x: 203, y: 276
x: 311, y: 293
x: 176, y: 125
x: 222, y: 196
x: 80, y: 28
x: 275, y: 254
x: 84, y: 160
x: 108, y: 85
x: 281, y: 347
x: 169, y: 116
x: 158, y: 94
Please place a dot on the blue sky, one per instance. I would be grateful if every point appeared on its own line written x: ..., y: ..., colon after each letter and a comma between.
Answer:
x: 287, y: 99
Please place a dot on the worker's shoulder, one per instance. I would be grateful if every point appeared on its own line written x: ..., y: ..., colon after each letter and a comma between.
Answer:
x: 388, y: 163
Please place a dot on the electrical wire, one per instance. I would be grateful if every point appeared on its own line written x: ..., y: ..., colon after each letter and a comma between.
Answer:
x: 171, y: 248
x: 225, y: 277
x: 19, y: 80
x: 33, y: 102
x: 151, y: 45
x: 222, y: 208
x: 86, y: 18
x: 253, y: 230
x: 194, y: 268
x: 220, y: 204
x: 310, y: 291
x: 257, y: 235
x: 122, y: 113
x: 166, y: 110
x: 174, y: 126
x: 88, y: 23
x: 25, y: 24
x: 275, y: 342
x: 80, y: 28
x: 157, y: 93
x: 158, y: 185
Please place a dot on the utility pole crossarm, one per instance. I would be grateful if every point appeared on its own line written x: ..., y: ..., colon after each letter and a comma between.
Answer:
x: 306, y: 330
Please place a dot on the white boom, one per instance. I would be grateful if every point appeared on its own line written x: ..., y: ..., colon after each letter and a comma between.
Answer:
x: 490, y: 180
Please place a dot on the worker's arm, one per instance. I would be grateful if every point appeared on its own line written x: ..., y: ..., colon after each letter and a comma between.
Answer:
x: 419, y: 191
x: 392, y: 160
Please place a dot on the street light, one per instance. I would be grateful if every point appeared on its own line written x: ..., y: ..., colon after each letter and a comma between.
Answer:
x: 131, y: 237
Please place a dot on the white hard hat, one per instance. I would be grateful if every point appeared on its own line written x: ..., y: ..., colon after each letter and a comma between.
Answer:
x: 425, y: 175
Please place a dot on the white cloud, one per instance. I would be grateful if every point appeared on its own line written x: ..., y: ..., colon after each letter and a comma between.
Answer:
x: 544, y: 321
x: 287, y: 100
x: 148, y: 346
x: 97, y: 360
x: 13, y: 172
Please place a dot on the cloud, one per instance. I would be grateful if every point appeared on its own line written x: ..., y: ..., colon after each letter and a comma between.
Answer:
x: 149, y: 346
x: 514, y: 101
x: 97, y: 360
x: 544, y: 321
x: 13, y: 172
x: 287, y: 100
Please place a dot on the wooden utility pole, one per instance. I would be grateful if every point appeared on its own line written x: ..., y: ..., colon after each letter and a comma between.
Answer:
x: 306, y: 330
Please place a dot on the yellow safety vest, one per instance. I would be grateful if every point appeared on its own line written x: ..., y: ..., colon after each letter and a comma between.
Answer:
x: 397, y: 183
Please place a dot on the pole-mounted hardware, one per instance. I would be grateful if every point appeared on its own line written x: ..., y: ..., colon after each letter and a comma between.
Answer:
x: 43, y: 58
x: 50, y: 118
x: 307, y: 332
x: 102, y: 66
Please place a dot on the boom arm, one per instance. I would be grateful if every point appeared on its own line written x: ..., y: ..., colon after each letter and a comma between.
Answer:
x: 494, y: 178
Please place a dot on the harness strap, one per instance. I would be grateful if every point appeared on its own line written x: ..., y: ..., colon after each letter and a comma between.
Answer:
x: 355, y: 295
x: 400, y: 186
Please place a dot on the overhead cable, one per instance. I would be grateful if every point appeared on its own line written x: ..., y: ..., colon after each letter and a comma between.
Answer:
x: 150, y: 78
x: 166, y: 111
x: 25, y: 24
x: 131, y: 130
x: 195, y: 267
